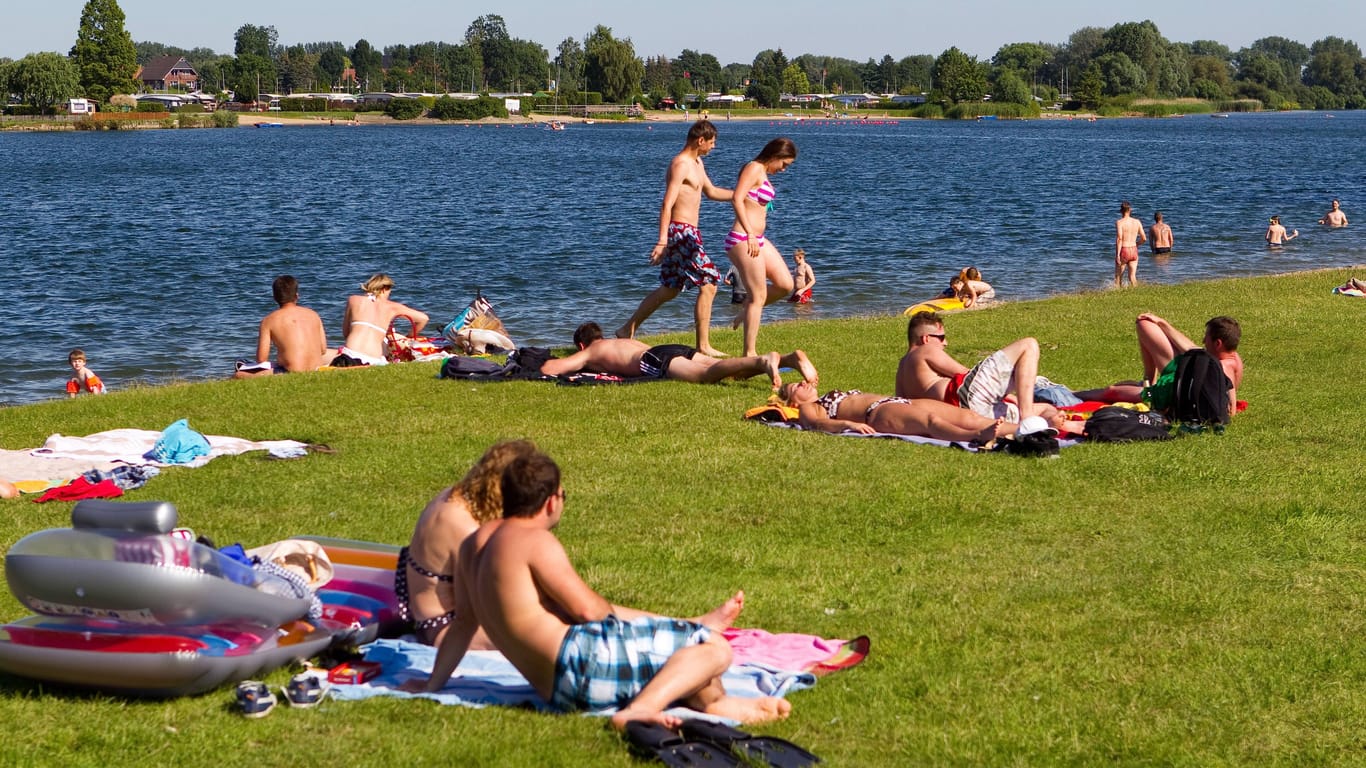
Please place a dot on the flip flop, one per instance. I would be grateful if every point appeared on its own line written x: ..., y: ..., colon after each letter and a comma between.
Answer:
x: 662, y: 744
x: 768, y: 750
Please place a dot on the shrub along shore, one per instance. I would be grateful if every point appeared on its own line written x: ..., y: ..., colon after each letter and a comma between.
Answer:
x: 1198, y: 601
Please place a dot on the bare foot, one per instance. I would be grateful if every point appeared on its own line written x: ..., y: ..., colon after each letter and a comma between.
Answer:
x: 626, y: 332
x: 808, y: 370
x: 722, y: 616
x: 988, y: 434
x: 620, y: 719
x: 749, y: 711
x: 774, y: 362
x: 713, y: 352
x: 737, y: 320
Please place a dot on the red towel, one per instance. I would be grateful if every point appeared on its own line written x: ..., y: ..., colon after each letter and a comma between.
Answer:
x: 80, y: 488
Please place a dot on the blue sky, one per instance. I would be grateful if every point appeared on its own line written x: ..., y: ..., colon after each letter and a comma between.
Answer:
x: 732, y: 31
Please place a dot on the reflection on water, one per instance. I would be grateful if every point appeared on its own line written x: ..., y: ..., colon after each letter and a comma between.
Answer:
x: 154, y: 250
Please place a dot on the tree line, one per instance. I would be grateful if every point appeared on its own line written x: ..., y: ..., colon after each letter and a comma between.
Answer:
x: 1095, y: 66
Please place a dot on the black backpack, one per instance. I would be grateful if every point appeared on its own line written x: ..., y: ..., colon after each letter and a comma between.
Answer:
x: 522, y: 363
x: 461, y: 367
x: 1112, y: 424
x: 1200, y: 394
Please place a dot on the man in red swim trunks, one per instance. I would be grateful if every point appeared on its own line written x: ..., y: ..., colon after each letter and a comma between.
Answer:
x: 1128, y: 234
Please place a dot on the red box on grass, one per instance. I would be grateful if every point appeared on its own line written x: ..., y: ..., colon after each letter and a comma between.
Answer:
x: 352, y: 672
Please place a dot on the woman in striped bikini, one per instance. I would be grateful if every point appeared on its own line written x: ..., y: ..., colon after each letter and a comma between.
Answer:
x: 755, y: 259
x: 425, y: 580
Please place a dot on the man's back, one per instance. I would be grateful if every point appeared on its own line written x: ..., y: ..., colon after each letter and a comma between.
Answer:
x: 497, y: 564
x: 619, y: 357
x: 297, y: 335
x: 1128, y: 230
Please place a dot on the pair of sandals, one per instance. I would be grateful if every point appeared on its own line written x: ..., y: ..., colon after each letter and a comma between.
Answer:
x: 702, y: 743
x: 254, y: 698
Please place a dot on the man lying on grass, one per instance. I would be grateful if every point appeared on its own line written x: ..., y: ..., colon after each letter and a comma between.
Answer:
x: 631, y: 358
x: 577, y: 650
x: 1159, y: 342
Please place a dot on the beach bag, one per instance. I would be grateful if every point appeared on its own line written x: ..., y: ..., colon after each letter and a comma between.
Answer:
x: 1112, y: 424
x: 1200, y: 390
x: 302, y: 557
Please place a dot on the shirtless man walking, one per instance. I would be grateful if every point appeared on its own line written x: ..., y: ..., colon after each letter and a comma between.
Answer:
x: 1128, y: 234
x: 679, y: 253
x: 928, y: 371
x: 579, y: 651
x: 1160, y: 234
x: 679, y: 362
x: 1335, y: 217
x: 296, y: 333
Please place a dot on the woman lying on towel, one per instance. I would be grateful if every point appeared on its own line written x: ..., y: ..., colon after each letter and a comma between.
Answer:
x: 425, y: 579
x: 841, y: 410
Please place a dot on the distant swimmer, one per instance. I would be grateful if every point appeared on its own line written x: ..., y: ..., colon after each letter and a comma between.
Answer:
x: 1335, y: 217
x: 1160, y: 235
x: 1276, y: 234
x: 1128, y: 234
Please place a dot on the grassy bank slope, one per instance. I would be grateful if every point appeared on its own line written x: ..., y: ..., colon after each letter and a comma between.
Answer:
x: 1195, y: 602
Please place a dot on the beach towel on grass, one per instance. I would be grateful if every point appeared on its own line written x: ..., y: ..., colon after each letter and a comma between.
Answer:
x: 487, y: 678
x: 63, y: 458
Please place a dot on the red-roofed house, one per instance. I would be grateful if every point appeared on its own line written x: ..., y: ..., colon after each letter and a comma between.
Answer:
x: 166, y: 72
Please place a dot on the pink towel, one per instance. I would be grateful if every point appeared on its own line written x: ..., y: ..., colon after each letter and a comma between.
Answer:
x: 785, y: 651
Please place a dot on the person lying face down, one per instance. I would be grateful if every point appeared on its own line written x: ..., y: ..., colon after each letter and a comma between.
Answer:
x: 630, y: 358
x: 867, y: 413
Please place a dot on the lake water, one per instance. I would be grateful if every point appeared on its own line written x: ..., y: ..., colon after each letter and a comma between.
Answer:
x: 154, y: 250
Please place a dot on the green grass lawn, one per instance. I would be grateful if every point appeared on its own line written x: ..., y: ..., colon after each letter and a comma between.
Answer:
x: 1195, y: 602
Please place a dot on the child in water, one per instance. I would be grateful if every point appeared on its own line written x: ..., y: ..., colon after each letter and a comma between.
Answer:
x: 82, y: 379
x: 802, y: 279
x: 1276, y: 235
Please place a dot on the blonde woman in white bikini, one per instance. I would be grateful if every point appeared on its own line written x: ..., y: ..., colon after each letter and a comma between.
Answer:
x: 755, y: 259
x: 367, y: 320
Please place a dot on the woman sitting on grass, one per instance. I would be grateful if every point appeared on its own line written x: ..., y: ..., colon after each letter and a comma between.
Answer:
x: 844, y: 410
x: 367, y: 320
x: 424, y: 581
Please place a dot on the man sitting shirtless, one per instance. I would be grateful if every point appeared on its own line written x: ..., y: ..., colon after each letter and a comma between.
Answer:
x: 296, y: 333
x: 927, y: 370
x: 580, y: 652
x: 631, y: 358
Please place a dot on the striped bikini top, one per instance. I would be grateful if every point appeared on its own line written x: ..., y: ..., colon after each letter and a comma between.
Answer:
x: 764, y: 193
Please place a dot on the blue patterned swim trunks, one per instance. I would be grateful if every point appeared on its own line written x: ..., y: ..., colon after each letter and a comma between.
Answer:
x: 604, y: 664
